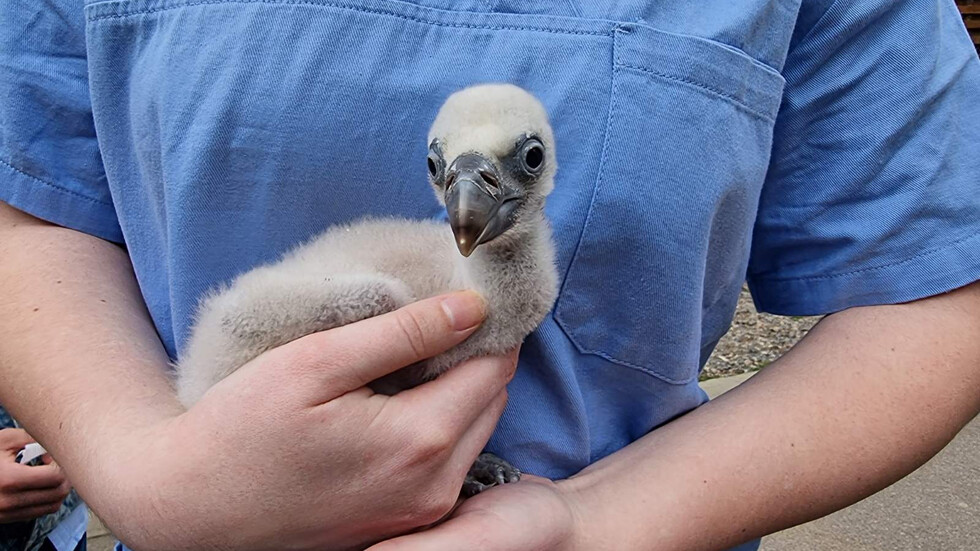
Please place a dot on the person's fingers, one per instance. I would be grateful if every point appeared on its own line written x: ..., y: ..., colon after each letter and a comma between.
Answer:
x: 353, y: 355
x: 467, y: 531
x: 474, y: 439
x: 41, y: 477
x: 13, y: 440
x: 489, y: 525
x: 31, y: 513
x: 460, y: 395
x: 36, y: 498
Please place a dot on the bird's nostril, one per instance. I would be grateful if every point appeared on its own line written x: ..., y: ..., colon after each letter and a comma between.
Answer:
x: 490, y: 178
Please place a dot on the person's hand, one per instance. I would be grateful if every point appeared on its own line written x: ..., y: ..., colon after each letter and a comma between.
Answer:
x: 27, y: 492
x: 293, y: 452
x: 534, y: 513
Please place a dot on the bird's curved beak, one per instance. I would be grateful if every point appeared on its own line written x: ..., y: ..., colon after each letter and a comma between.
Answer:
x: 480, y: 206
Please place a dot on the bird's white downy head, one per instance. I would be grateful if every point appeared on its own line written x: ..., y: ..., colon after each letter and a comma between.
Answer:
x: 491, y: 160
x: 493, y: 119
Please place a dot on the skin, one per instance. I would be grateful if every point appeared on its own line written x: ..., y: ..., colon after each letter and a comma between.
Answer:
x: 27, y: 492
x: 868, y: 396
x: 336, y: 465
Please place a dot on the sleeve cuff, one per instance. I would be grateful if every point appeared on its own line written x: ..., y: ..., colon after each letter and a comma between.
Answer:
x: 58, y: 205
x: 932, y: 272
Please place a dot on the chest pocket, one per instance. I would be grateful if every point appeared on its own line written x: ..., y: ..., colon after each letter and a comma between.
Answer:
x: 666, y: 240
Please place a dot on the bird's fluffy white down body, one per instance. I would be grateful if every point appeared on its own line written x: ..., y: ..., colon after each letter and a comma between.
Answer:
x: 355, y: 271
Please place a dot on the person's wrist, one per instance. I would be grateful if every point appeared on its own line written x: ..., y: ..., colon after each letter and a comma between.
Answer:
x: 132, y: 484
x: 611, y: 517
x: 582, y: 535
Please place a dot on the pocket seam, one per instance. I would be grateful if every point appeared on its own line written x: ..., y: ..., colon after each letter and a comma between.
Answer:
x: 600, y: 181
x: 710, y: 90
x: 564, y: 296
x: 643, y: 369
x: 677, y: 58
x: 562, y: 292
x: 102, y: 11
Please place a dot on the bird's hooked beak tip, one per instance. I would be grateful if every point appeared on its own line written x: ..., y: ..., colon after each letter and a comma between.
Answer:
x: 465, y: 245
x: 479, y: 209
x: 470, y: 220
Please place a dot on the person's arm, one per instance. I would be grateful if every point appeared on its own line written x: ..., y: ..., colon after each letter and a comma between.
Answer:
x: 81, y: 363
x: 289, y: 451
x: 865, y: 398
x: 868, y: 396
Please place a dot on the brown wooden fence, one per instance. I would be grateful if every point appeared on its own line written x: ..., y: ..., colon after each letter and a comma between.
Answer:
x: 971, y: 16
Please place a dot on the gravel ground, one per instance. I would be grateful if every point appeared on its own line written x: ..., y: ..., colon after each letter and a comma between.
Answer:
x: 754, y: 340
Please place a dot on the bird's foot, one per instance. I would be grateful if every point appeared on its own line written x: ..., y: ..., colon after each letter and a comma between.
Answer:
x: 488, y: 471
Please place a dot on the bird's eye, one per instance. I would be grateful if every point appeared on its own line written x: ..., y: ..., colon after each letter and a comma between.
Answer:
x: 435, y: 163
x: 532, y: 156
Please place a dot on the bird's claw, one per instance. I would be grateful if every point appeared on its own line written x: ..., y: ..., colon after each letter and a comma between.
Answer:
x: 488, y: 471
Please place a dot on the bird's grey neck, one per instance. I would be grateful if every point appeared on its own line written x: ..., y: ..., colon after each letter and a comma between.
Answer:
x: 516, y: 248
x: 522, y: 258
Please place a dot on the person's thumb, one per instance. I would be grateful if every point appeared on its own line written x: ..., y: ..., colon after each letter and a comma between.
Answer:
x: 13, y: 440
x: 349, y: 357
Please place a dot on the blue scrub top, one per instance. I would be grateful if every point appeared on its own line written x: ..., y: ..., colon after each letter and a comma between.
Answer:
x: 827, y: 151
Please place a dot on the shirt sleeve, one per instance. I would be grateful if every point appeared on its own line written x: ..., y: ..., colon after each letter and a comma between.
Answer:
x: 50, y: 165
x: 873, y: 190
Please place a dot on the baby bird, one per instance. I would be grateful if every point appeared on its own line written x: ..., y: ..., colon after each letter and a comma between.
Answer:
x: 491, y: 163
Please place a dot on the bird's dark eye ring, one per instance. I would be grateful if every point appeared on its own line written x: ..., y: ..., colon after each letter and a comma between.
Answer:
x: 434, y: 162
x: 532, y: 156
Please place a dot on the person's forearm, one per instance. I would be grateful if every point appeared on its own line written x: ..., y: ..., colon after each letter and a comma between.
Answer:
x: 80, y: 362
x: 869, y: 395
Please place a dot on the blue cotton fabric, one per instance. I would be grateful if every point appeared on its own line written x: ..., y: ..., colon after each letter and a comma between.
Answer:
x: 826, y: 151
x: 70, y: 534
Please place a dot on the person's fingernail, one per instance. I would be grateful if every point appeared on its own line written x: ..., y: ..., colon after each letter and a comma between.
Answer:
x: 465, y: 310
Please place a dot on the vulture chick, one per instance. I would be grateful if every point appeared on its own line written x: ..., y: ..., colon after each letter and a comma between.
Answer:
x: 491, y: 162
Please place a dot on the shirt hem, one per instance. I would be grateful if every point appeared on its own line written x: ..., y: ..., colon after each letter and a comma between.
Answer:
x: 58, y: 206
x: 935, y: 272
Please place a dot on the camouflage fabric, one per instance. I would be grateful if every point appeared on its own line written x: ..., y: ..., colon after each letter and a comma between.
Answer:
x: 28, y: 536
